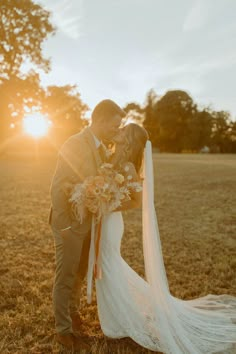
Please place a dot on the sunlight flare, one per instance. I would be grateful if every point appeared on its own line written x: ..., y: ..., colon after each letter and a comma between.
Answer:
x: 36, y: 125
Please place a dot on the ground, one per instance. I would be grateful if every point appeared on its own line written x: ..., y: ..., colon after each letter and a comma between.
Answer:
x: 196, y: 208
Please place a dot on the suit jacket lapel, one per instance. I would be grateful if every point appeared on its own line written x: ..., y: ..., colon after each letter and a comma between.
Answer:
x: 91, y: 142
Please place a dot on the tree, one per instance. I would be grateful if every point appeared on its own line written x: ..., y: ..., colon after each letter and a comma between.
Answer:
x: 232, y: 132
x: 175, y: 112
x: 21, y: 96
x: 200, y: 130
x: 151, y: 120
x: 222, y: 136
x: 65, y: 109
x: 24, y: 26
x: 134, y: 112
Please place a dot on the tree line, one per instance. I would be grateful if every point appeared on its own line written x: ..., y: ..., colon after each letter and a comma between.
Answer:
x: 174, y: 121
x: 176, y: 124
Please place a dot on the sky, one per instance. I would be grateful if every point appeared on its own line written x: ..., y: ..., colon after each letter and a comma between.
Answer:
x: 120, y: 49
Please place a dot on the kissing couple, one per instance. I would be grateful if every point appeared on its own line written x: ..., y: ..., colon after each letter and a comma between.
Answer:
x: 128, y: 305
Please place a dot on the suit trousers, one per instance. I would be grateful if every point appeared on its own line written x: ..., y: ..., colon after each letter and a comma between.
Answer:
x: 72, y: 253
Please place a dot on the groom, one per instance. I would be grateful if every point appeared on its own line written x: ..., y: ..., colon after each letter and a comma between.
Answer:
x: 79, y: 157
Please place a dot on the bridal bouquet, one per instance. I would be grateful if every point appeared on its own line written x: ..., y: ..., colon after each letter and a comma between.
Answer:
x: 101, y: 194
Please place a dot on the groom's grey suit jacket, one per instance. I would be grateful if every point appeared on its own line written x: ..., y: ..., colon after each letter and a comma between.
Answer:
x: 78, y: 158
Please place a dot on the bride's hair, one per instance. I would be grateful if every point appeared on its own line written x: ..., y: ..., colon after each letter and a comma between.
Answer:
x: 131, y: 147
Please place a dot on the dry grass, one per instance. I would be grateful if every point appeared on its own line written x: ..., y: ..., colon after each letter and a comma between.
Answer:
x: 195, y: 200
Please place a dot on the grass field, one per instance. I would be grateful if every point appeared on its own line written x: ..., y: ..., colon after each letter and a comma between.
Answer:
x: 196, y: 204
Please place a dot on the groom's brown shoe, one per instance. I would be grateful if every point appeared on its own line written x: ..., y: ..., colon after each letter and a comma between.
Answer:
x: 72, y: 342
x: 67, y: 340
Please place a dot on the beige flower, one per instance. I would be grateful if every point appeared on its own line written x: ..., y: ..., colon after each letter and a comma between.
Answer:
x: 119, y: 178
x: 107, y: 165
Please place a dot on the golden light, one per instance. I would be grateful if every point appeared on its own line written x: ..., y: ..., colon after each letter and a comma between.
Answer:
x: 129, y: 120
x: 36, y: 125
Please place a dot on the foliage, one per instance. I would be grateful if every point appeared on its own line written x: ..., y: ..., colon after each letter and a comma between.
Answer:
x: 65, y: 109
x: 175, y: 111
x: 175, y: 124
x: 221, y: 131
x: 134, y: 112
x: 151, y: 120
x: 200, y: 130
x: 19, y: 96
x: 24, y: 26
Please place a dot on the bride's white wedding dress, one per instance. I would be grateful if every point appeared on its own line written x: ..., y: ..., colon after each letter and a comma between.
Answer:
x: 125, y: 306
x: 129, y: 306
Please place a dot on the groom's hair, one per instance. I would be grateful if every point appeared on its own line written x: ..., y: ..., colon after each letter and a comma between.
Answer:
x: 105, y: 110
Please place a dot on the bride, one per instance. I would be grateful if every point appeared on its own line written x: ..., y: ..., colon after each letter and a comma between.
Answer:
x: 144, y: 310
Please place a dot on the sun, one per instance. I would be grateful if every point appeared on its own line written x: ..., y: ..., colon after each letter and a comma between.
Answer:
x: 36, y: 125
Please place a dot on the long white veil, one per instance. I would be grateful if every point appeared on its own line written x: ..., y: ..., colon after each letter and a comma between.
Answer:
x: 203, y: 325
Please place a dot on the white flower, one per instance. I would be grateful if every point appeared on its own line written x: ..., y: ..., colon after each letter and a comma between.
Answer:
x: 138, y: 189
x: 135, y: 186
x: 106, y: 185
x: 126, y: 168
x: 119, y: 178
x: 129, y: 177
x: 106, y: 165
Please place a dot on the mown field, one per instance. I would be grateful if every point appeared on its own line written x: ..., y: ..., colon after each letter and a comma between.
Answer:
x: 195, y: 198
